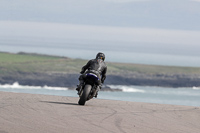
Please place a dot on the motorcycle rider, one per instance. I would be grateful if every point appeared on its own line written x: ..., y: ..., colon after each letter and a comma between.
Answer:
x: 96, y: 66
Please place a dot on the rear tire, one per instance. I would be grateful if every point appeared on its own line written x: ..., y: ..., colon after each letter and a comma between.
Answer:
x: 85, y: 94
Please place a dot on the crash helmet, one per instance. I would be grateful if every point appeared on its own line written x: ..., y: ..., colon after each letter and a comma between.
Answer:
x: 100, y: 56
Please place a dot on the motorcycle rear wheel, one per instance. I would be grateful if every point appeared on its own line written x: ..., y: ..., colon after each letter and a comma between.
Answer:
x: 84, y: 96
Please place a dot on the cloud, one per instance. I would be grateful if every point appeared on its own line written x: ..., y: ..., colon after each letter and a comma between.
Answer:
x: 71, y: 38
x: 125, y: 1
x: 104, y: 34
x: 195, y: 0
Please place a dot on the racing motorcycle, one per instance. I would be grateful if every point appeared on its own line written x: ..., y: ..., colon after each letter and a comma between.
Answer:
x: 89, y: 89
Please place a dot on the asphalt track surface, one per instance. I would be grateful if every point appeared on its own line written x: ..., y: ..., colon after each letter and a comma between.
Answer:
x: 31, y: 113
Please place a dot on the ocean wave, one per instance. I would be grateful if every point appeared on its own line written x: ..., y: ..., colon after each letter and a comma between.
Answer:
x: 195, y: 88
x: 16, y: 85
x: 126, y: 88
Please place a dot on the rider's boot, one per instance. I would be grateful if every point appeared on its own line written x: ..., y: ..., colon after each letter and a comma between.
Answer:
x: 98, y: 88
x: 80, y: 85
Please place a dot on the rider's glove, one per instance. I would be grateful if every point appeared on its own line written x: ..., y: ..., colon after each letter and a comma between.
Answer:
x: 82, y: 72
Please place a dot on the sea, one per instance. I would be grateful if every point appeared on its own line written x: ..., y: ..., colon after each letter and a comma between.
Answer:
x: 162, y: 95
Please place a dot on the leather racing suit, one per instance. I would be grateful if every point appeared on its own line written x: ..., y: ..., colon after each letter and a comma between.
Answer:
x: 96, y: 66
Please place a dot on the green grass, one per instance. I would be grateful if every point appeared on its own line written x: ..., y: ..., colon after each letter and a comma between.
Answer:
x: 152, y: 69
x: 23, y: 58
x: 10, y: 63
x: 22, y: 62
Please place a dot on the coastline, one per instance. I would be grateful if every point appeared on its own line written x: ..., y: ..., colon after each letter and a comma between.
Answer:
x: 41, y: 113
x: 39, y: 70
x: 71, y: 80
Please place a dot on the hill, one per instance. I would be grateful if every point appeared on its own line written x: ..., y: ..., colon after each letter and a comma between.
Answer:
x: 38, y: 69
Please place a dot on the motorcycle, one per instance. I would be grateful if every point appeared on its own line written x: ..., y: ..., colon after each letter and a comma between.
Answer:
x: 89, y: 89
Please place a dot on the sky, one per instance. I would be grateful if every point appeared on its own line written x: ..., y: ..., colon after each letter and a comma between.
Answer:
x: 136, y: 31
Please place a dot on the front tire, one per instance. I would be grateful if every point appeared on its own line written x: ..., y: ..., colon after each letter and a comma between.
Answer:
x: 85, y: 94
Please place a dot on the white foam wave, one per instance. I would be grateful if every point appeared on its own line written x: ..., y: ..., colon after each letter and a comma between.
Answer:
x: 195, y: 88
x: 17, y: 86
x: 126, y: 88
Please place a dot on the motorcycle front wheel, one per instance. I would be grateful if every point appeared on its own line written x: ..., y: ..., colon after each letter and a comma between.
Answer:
x: 85, y: 94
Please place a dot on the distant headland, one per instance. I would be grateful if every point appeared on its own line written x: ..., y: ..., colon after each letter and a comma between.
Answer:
x: 40, y: 70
